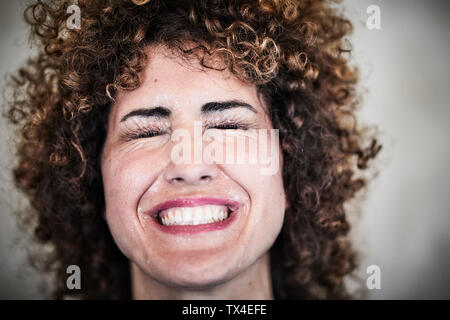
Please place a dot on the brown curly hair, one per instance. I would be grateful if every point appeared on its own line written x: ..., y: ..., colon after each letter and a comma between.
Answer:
x: 294, y: 51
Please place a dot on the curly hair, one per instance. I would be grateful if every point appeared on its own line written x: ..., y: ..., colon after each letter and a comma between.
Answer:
x: 293, y: 51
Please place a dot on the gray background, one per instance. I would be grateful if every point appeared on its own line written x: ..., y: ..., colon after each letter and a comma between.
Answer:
x: 405, y: 225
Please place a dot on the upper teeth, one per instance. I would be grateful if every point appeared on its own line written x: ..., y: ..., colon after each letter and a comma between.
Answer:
x: 193, y: 215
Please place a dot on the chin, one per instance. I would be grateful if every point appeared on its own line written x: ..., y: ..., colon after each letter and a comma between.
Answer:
x: 192, y: 273
x: 200, y: 281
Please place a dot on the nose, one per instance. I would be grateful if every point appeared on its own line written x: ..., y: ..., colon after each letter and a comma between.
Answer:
x: 191, y: 174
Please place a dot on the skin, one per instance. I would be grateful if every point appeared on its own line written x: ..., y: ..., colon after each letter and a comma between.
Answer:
x: 138, y: 174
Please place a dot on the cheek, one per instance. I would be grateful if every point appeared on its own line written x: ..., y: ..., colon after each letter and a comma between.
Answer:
x: 263, y: 183
x: 126, y: 176
x: 267, y: 197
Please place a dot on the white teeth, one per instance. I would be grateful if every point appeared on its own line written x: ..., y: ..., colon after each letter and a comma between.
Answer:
x: 193, y: 215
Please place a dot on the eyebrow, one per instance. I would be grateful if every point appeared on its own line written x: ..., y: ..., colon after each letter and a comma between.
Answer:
x: 157, y: 112
x: 210, y: 107
x: 225, y: 105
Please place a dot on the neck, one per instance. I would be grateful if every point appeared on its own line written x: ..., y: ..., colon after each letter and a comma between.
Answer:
x: 252, y: 283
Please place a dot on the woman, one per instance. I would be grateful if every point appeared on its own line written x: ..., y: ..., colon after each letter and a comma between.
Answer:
x: 102, y: 108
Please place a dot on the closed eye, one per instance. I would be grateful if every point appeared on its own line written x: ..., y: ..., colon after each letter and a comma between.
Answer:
x: 142, y: 134
x: 230, y: 126
x: 148, y: 134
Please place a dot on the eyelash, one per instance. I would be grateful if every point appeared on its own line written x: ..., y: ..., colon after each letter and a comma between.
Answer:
x: 230, y: 126
x: 142, y: 133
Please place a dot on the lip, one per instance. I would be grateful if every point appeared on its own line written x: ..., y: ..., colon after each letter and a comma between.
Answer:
x: 194, y: 202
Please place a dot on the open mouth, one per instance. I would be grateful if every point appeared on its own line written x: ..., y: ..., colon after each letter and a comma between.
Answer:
x: 194, y: 215
x: 191, y: 216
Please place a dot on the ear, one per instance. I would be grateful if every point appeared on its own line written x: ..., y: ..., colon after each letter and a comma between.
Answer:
x: 286, y: 202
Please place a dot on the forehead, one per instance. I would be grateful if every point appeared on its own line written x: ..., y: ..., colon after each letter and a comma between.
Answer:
x: 178, y: 83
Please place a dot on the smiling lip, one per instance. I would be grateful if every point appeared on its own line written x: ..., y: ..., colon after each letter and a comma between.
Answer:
x: 194, y: 202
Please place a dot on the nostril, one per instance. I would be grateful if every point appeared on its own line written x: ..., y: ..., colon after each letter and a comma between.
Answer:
x: 205, y: 177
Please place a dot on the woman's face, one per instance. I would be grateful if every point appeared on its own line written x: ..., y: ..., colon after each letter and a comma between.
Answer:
x: 188, y: 223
